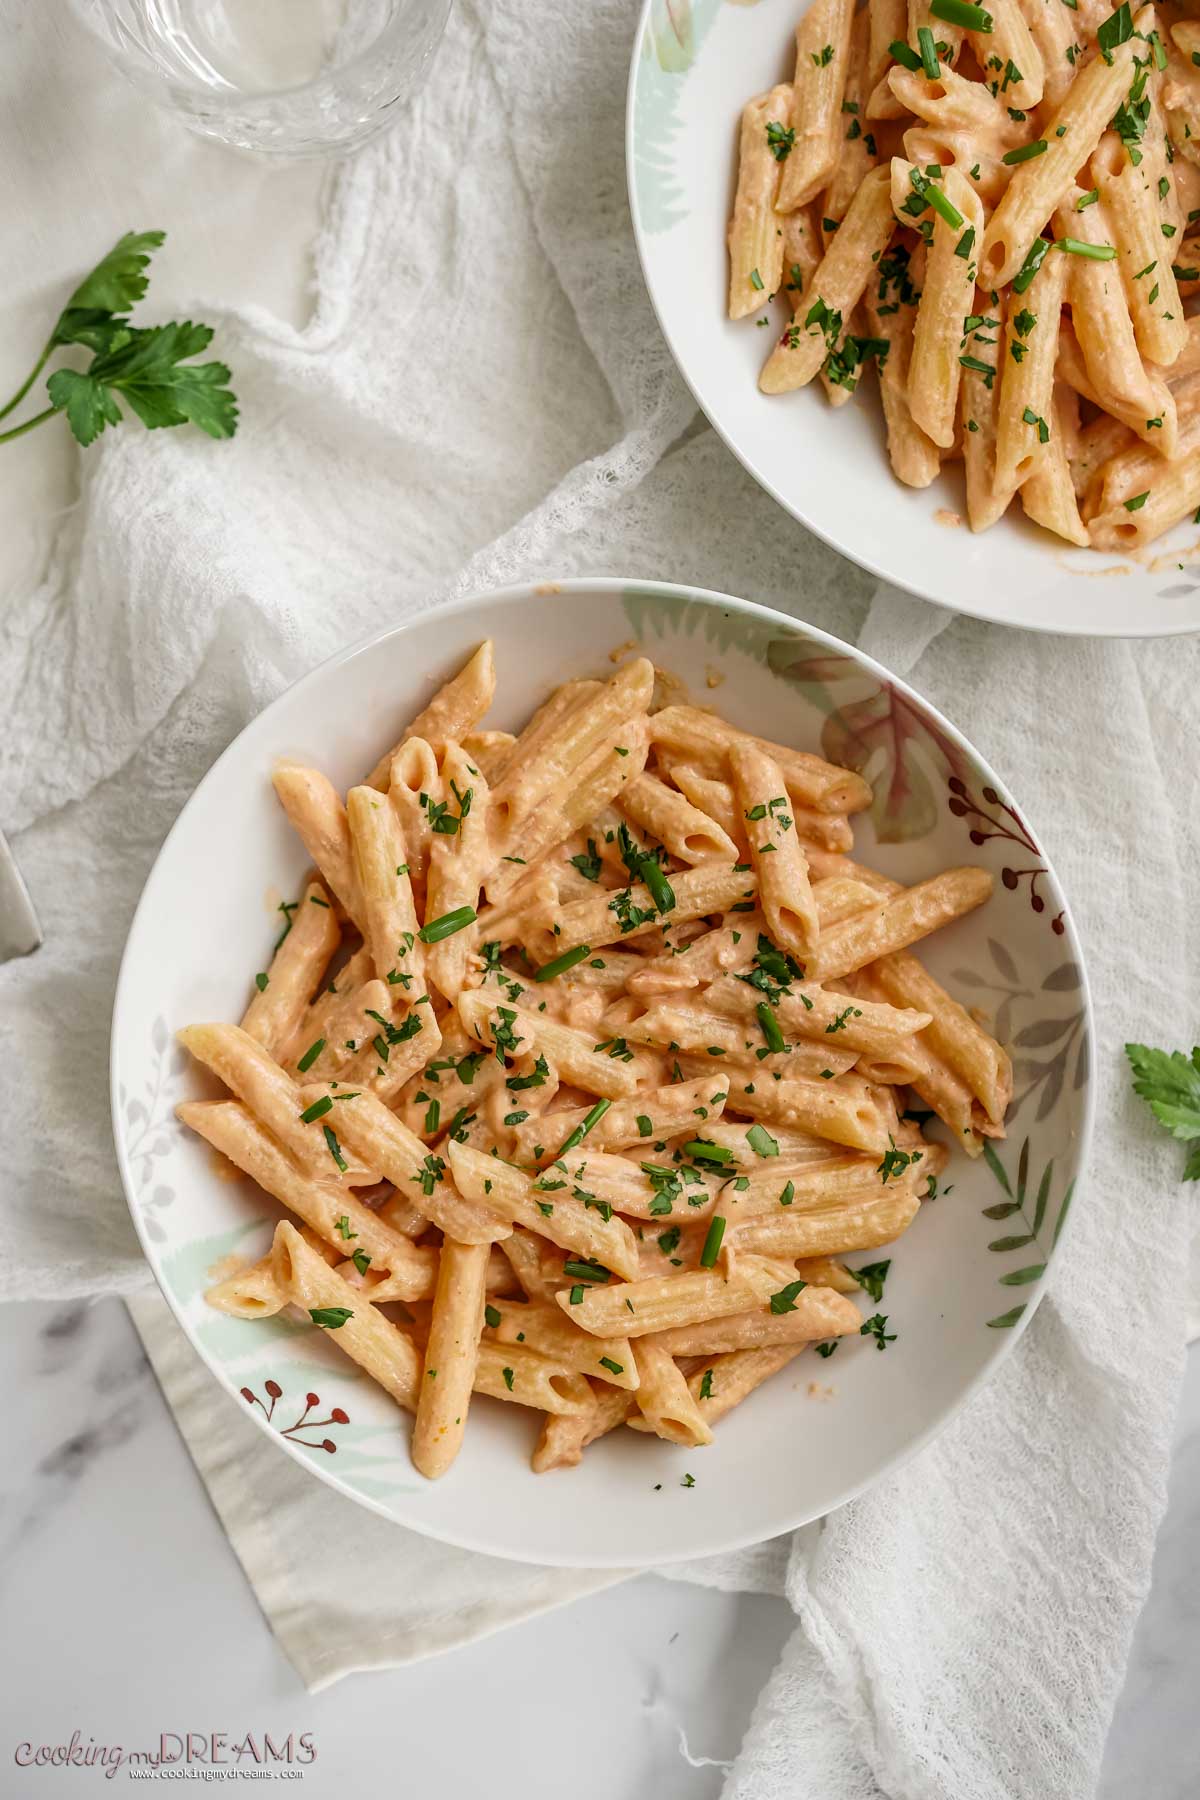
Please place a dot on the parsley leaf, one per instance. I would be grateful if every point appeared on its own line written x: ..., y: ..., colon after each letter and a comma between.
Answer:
x: 1170, y: 1084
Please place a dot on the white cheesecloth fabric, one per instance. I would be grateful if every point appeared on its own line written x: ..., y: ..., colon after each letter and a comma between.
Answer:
x: 482, y: 395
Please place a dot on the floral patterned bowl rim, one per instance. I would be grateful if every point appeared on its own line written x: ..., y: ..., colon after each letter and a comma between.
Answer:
x: 821, y: 1431
x: 695, y: 64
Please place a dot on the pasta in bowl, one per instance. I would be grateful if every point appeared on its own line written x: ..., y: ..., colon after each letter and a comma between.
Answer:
x: 968, y: 230
x: 606, y: 1078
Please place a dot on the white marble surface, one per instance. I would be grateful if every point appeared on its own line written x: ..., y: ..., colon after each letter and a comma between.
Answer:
x: 127, y: 1615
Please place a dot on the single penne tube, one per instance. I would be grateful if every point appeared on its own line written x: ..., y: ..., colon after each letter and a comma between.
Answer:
x: 803, y: 248
x: 331, y: 1212
x: 1109, y: 372
x: 521, y: 1377
x: 613, y: 767
x: 839, y: 897
x: 387, y: 1353
x: 824, y: 1014
x: 936, y: 1084
x: 454, y: 710
x: 777, y: 1182
x: 544, y: 1329
x: 1055, y: 32
x: 950, y: 102
x: 1143, y: 254
x: 639, y: 1307
x: 253, y: 1292
x: 951, y: 1031
x: 705, y: 739
x: 979, y: 417
x: 545, y: 722
x: 451, y: 1357
x: 1173, y: 496
x: 575, y: 1055
x: 1010, y: 54
x: 488, y: 750
x: 899, y: 921
x: 529, y: 782
x: 655, y: 1113
x: 458, y: 861
x: 282, y: 995
x: 1048, y: 495
x: 665, y: 1405
x: 823, y: 1271
x: 371, y: 1129
x: 316, y: 812
x: 844, y: 1110
x: 725, y: 1381
x: 1097, y: 443
x: 389, y: 916
x: 687, y: 1028
x: 755, y: 241
x: 822, y: 59
x: 1025, y: 417
x: 713, y: 796
x: 641, y: 1189
x: 1041, y: 183
x: 934, y: 369
x: 836, y: 288
x: 273, y: 1097
x: 631, y: 912
x: 857, y: 153
x: 832, y: 1233
x: 784, y: 893
x: 688, y: 833
x: 547, y: 1209
x: 794, y: 1146
x: 890, y: 305
x: 415, y: 787
x: 816, y: 1313
x: 523, y: 1251
x: 1132, y: 473
x: 564, y: 1437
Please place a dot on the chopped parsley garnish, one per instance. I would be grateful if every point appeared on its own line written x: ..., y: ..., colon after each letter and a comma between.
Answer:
x: 588, y: 863
x: 536, y: 1077
x: 842, y: 1019
x: 491, y: 1316
x: 331, y: 1317
x: 874, y: 1327
x: 761, y: 1141
x: 785, y: 1300
x: 262, y: 982
x: 780, y: 139
x: 334, y: 1148
x: 872, y: 1277
x: 895, y: 1162
x: 706, y: 1385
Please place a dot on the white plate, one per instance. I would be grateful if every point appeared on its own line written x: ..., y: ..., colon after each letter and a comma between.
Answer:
x: 206, y: 922
x: 695, y: 64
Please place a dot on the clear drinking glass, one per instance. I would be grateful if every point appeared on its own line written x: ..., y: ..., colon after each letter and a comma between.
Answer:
x: 287, y: 77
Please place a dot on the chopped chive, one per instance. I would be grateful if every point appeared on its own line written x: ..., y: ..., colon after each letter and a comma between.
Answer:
x: 770, y: 1026
x: 614, y: 1368
x: 703, y: 1151
x: 581, y: 1130
x: 712, y: 1241
x: 562, y: 963
x: 904, y: 55
x: 335, y: 1149
x: 756, y: 280
x: 966, y: 243
x: 1025, y: 152
x: 1138, y: 501
x: 958, y: 12
x: 491, y: 1316
x: 929, y: 55
x: 1031, y: 265
x: 447, y: 925
x: 310, y: 1056
x: 1088, y: 199
x: 585, y: 1271
x: 317, y: 1110
x: 576, y: 1296
x: 1094, y: 252
x: 788, y: 1194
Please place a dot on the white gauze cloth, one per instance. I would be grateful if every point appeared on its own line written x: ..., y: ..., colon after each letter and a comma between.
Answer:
x: 482, y: 395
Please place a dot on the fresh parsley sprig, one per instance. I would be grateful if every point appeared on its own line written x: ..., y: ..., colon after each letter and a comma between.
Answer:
x: 1170, y: 1084
x: 150, y: 368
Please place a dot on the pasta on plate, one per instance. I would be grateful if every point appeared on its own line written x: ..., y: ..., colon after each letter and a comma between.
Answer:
x: 585, y: 1056
x: 998, y: 207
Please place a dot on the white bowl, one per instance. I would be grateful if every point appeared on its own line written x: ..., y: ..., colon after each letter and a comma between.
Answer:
x: 694, y: 67
x: 206, y: 922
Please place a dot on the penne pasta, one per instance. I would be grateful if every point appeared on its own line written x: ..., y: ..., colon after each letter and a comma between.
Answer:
x: 451, y: 1357
x: 755, y: 240
x: 454, y: 710
x: 822, y: 58
x: 282, y: 994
